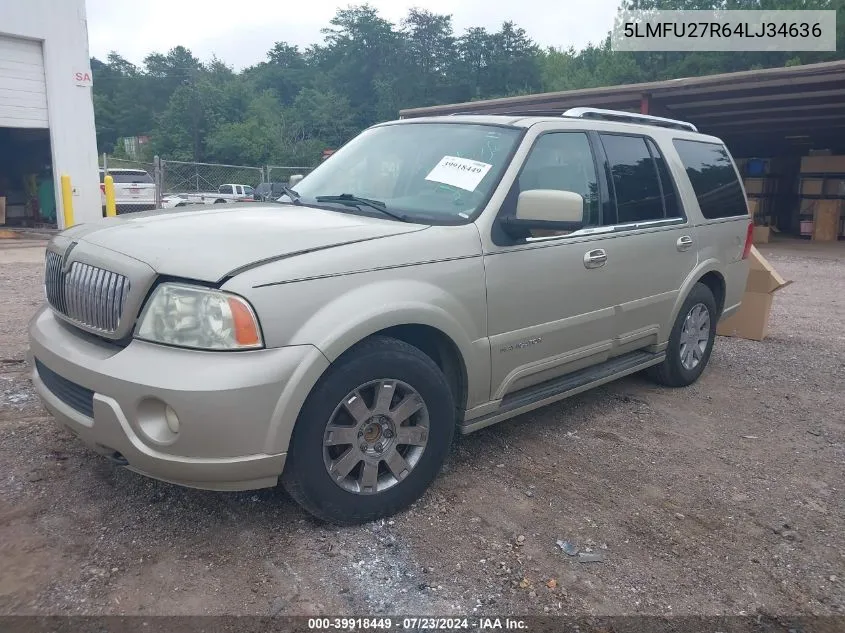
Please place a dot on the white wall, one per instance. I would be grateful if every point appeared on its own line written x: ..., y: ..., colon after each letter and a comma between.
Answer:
x: 62, y: 27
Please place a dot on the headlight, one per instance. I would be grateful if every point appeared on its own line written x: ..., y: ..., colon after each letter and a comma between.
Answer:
x: 202, y: 318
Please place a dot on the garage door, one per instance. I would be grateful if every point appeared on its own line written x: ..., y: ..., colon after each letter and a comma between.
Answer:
x: 23, y: 93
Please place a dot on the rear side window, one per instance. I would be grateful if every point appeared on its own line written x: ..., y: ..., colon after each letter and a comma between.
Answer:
x: 225, y: 188
x: 636, y: 185
x: 713, y: 178
x: 131, y: 177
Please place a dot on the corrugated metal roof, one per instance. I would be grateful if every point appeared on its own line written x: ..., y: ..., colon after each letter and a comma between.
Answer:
x: 787, y: 77
x: 757, y: 111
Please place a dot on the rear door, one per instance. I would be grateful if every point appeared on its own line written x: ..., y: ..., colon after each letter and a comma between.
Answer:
x: 717, y: 189
x: 653, y: 249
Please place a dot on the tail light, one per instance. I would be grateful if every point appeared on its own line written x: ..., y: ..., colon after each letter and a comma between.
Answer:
x: 749, y: 237
x: 102, y: 187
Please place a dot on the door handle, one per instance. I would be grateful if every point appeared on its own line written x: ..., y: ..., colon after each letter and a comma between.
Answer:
x: 595, y: 259
x: 684, y: 242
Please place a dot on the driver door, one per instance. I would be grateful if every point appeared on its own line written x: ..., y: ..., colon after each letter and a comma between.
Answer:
x: 550, y: 307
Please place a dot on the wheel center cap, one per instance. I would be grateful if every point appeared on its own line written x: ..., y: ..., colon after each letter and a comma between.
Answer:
x: 372, y: 432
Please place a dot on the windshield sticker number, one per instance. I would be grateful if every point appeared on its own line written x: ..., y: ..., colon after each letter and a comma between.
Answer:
x: 459, y: 172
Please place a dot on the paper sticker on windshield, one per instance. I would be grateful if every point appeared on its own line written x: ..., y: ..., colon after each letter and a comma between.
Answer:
x: 459, y: 172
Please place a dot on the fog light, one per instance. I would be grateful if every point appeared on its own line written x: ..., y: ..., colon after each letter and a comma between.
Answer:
x: 172, y: 419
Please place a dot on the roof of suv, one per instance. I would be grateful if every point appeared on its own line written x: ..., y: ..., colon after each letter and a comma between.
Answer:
x: 526, y: 121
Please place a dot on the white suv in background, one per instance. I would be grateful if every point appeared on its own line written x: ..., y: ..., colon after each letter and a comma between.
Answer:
x: 134, y: 190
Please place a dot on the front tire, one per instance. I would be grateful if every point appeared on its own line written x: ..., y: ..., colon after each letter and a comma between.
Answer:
x: 372, y: 435
x: 691, y: 340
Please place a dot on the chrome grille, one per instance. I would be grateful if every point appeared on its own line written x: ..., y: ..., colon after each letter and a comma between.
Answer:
x: 89, y: 295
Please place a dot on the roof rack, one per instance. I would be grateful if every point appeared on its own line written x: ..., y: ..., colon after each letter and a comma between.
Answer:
x: 555, y: 113
x: 628, y: 117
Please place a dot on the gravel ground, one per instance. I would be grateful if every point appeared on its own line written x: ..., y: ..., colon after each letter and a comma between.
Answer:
x: 722, y: 498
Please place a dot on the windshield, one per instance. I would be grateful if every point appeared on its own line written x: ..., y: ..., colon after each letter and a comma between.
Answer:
x: 426, y: 171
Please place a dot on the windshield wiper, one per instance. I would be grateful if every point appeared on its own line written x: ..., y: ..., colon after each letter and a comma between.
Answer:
x: 290, y: 193
x: 378, y: 205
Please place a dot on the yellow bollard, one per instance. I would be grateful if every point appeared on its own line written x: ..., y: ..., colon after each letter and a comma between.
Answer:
x: 67, y: 201
x: 111, y: 207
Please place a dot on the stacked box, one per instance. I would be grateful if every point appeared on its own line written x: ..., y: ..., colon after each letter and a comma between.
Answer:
x: 820, y: 217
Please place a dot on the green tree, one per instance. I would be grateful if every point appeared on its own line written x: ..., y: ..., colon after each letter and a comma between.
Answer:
x: 430, y: 52
x: 289, y: 107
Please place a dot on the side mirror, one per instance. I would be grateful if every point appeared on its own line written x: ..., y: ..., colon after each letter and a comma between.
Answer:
x: 293, y: 180
x: 547, y: 209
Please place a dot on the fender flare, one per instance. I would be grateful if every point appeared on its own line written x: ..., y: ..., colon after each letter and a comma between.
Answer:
x: 707, y: 266
x: 413, y: 303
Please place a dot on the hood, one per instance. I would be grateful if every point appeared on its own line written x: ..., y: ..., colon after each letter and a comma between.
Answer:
x: 210, y: 244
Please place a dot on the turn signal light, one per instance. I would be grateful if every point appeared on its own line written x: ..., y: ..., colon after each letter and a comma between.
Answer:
x: 246, y: 332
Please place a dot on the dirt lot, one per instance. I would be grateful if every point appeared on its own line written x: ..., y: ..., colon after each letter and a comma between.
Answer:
x: 724, y: 498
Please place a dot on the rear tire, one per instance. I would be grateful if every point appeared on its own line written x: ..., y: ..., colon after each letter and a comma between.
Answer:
x: 690, y: 344
x: 346, y: 462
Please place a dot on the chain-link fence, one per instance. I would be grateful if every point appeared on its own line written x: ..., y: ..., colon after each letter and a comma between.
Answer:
x: 110, y: 162
x: 180, y: 177
x: 282, y: 174
x: 173, y: 177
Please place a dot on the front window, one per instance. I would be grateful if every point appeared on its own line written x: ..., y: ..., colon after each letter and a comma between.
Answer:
x: 430, y: 172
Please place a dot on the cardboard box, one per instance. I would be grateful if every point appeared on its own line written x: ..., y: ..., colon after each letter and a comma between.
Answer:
x: 811, y: 186
x: 834, y: 187
x: 751, y: 321
x: 823, y: 164
x: 826, y: 221
x: 755, y: 185
x: 761, y: 234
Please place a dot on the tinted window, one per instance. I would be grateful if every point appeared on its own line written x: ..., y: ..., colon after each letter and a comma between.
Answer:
x: 634, y: 177
x: 563, y: 161
x: 667, y: 185
x: 713, y: 179
x: 130, y: 177
x: 225, y: 189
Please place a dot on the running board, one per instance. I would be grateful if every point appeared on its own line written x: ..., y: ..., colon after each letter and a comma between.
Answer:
x: 531, y: 398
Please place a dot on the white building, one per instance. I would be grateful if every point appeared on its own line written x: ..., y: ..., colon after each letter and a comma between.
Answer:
x: 46, y: 109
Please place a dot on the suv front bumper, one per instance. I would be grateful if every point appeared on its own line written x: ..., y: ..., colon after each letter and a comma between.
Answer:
x: 114, y: 399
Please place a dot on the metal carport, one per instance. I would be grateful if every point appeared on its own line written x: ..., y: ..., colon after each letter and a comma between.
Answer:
x: 758, y: 112
x: 773, y: 112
